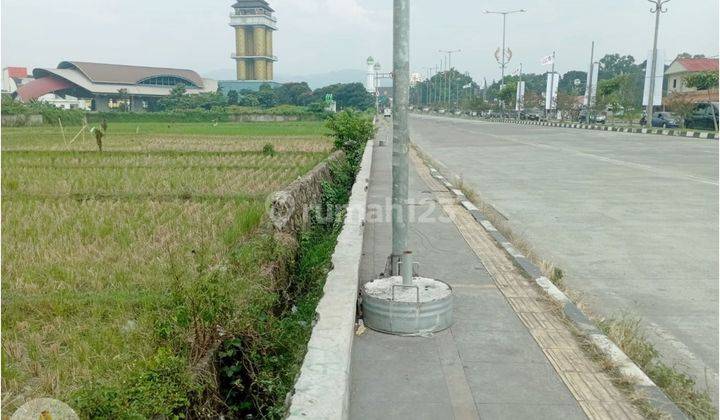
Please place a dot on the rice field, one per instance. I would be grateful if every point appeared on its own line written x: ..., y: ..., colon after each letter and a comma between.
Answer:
x: 92, y: 241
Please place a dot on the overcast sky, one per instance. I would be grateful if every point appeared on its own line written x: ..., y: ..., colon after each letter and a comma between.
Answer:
x: 318, y: 36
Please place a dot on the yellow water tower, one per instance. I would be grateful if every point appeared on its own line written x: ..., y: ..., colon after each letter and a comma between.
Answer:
x: 254, y: 25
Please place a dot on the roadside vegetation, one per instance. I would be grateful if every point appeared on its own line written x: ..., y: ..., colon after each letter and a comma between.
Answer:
x: 259, y: 365
x: 116, y: 276
x: 627, y: 332
x: 145, y: 280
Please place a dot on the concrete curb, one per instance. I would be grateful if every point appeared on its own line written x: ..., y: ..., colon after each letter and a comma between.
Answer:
x: 322, y: 390
x: 627, y: 368
x: 675, y: 132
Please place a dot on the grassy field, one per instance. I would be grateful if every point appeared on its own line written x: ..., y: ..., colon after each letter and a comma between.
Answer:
x: 99, y: 248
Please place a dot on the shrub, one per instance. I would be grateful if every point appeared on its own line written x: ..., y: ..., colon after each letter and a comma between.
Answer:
x: 269, y: 150
x: 351, y: 130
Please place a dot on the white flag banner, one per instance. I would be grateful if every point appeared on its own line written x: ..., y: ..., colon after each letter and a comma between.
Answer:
x: 516, y: 71
x: 659, y: 76
x: 553, y: 80
x: 520, y: 97
x: 548, y: 60
x: 592, y: 83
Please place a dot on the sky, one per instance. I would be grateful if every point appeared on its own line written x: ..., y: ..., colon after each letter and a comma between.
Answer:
x: 318, y: 36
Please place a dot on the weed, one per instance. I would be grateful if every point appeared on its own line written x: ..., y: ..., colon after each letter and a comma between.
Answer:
x: 269, y: 150
x: 626, y: 331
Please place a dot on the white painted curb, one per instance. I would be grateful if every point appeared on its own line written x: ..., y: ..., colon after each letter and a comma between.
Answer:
x: 322, y: 390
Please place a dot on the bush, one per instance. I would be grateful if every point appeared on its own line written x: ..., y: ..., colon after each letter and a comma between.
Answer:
x: 351, y: 130
x: 161, y: 390
x: 269, y: 150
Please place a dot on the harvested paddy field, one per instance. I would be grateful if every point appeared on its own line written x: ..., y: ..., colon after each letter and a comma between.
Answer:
x: 115, y: 263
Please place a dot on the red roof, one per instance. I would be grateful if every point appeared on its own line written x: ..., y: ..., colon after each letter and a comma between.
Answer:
x: 17, y: 72
x: 699, y: 64
x: 40, y: 87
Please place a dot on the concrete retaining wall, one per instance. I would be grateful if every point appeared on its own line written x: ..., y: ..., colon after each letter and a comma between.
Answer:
x: 22, y: 120
x: 263, y: 118
x: 322, y: 390
x: 290, y: 208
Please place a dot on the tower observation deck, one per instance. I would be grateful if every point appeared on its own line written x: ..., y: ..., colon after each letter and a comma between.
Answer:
x: 254, y: 25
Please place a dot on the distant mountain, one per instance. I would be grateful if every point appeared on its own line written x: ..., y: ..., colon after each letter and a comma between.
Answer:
x: 315, y: 81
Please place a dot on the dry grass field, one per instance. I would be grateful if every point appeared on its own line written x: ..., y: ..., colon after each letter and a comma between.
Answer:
x: 95, y: 245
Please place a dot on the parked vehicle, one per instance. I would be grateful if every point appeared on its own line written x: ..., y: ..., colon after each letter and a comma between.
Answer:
x: 600, y: 118
x: 387, y: 112
x: 702, y: 116
x: 664, y: 120
x: 534, y: 115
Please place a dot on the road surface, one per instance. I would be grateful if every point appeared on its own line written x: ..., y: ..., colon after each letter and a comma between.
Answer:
x: 631, y: 219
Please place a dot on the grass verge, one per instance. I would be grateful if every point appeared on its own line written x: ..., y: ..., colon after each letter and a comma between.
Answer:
x: 627, y: 332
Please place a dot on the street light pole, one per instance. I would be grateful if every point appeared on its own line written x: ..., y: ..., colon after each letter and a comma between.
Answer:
x: 448, y: 75
x: 401, y: 137
x: 658, y: 9
x: 503, y: 61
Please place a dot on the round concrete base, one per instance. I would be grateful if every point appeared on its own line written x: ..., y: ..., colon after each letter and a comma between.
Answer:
x: 423, y: 308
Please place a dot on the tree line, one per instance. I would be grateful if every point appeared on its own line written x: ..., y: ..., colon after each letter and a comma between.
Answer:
x: 346, y: 95
x: 620, y: 87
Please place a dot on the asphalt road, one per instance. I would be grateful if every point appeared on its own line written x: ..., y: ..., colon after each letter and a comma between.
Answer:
x: 631, y: 219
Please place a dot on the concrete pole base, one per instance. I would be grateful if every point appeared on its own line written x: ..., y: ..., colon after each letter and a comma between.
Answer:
x: 423, y: 308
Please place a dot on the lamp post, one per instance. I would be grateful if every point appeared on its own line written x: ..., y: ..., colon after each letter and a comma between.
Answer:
x: 404, y: 304
x: 449, y: 75
x: 503, y: 62
x: 658, y: 9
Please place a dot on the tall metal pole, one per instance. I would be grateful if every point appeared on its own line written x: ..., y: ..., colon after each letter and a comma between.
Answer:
x: 658, y: 4
x: 589, y: 86
x: 448, y: 75
x: 503, y: 60
x: 401, y: 136
x: 502, y: 53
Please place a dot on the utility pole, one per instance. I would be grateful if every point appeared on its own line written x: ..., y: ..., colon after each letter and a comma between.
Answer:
x: 448, y: 75
x: 589, y: 86
x: 658, y: 9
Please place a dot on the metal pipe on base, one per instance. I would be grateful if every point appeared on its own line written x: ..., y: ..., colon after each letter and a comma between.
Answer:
x: 404, y: 304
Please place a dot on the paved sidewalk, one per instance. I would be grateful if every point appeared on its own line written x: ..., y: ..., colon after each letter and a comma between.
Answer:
x: 490, y: 364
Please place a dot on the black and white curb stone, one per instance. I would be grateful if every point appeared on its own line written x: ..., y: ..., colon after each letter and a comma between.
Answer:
x: 675, y: 132
x: 642, y: 383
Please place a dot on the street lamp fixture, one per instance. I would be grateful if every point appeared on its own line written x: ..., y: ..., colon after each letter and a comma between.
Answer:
x: 503, y: 53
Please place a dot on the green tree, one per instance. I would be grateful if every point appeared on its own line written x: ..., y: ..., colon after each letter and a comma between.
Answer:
x: 266, y: 96
x: 567, y: 82
x: 705, y: 80
x: 232, y: 97
x: 612, y: 65
x: 178, y: 91
x: 347, y: 95
x: 294, y: 94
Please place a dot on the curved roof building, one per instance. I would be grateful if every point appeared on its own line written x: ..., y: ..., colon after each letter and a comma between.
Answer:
x: 108, y: 83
